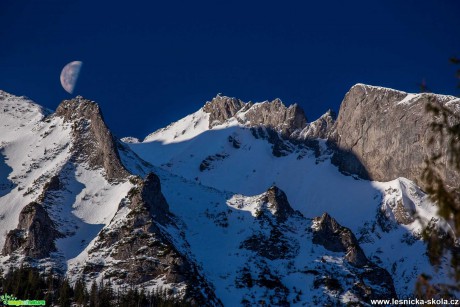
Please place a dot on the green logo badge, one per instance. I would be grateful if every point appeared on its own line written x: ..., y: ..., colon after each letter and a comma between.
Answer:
x: 10, y: 300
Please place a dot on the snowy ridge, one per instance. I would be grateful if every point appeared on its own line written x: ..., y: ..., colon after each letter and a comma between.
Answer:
x: 313, y: 186
x: 42, y: 163
x: 409, y: 97
x: 36, y: 149
x: 25, y: 136
x: 182, y: 130
x: 230, y: 219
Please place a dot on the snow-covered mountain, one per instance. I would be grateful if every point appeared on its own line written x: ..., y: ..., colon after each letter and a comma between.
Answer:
x: 235, y: 204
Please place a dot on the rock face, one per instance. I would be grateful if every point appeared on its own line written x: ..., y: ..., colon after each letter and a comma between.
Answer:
x: 320, y: 128
x: 93, y: 142
x: 277, y: 116
x: 34, y: 235
x: 383, y: 134
x: 141, y: 251
x: 222, y: 108
x: 273, y: 244
x: 334, y: 237
x: 272, y: 115
x: 374, y: 281
x: 148, y: 196
x: 278, y: 203
x: 280, y: 146
x: 272, y: 121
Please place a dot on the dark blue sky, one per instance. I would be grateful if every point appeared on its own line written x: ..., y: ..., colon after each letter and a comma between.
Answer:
x: 148, y: 63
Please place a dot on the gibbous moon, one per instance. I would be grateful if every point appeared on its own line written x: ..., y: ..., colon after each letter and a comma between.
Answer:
x: 69, y: 75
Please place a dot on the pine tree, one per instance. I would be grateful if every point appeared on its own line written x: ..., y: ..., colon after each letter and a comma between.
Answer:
x: 65, y: 294
x: 80, y: 293
x: 105, y: 294
x: 446, y: 125
x: 93, y: 295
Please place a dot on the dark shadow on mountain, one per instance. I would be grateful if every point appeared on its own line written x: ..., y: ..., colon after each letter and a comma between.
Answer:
x: 281, y: 146
x: 321, y: 150
x: 6, y: 185
x: 342, y: 158
x: 156, y: 149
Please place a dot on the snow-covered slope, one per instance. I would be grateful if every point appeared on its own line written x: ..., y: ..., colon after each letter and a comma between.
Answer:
x: 26, y: 135
x: 246, y: 206
x: 232, y: 156
x: 36, y: 147
x: 64, y: 184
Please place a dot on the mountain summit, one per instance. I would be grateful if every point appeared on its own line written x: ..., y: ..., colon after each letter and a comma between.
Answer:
x: 237, y: 204
x: 93, y: 141
x: 274, y: 114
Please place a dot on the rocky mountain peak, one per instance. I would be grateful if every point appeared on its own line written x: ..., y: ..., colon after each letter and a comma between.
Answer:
x: 4, y: 94
x: 321, y: 128
x: 384, y: 134
x: 34, y: 235
x: 93, y: 142
x: 374, y: 282
x: 278, y: 203
x: 334, y: 237
x: 77, y: 108
x: 222, y: 108
x: 368, y: 90
x: 277, y: 116
x: 142, y: 251
x: 147, y: 196
x: 271, y: 114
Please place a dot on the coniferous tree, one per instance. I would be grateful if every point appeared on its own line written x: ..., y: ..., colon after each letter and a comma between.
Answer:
x: 93, y: 295
x: 446, y: 125
x: 80, y: 293
x: 27, y: 283
x: 65, y: 294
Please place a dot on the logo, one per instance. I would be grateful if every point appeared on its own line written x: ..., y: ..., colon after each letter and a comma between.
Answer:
x: 10, y: 300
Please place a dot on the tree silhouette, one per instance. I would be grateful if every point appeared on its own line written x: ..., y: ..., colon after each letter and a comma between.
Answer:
x: 446, y: 125
x: 456, y: 61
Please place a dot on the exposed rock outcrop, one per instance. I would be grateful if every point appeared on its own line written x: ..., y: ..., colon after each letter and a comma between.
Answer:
x: 320, y: 128
x: 222, y: 108
x: 276, y: 292
x: 374, y: 281
x: 142, y: 252
x: 147, y: 196
x: 272, y: 243
x: 54, y: 184
x: 383, y: 134
x: 35, y: 234
x: 273, y: 115
x: 277, y: 116
x: 207, y: 163
x: 280, y: 146
x: 334, y: 237
x: 93, y: 142
x: 277, y: 202
x: 272, y: 246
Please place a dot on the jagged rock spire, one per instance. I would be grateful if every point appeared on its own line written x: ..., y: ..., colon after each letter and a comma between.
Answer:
x: 334, y: 237
x: 147, y: 195
x: 93, y: 142
x: 35, y: 233
x: 274, y: 115
x: 278, y: 203
x: 222, y: 108
x: 277, y: 116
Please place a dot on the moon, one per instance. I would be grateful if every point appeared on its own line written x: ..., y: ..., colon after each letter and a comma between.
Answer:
x: 69, y: 75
